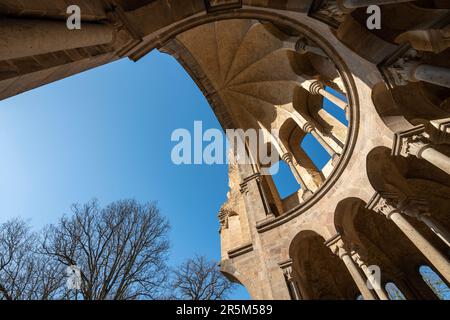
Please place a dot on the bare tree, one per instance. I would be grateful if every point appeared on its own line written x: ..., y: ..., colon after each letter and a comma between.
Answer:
x: 120, y: 250
x: 200, y: 279
x: 24, y: 273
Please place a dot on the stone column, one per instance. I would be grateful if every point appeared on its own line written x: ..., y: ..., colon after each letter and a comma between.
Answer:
x: 418, y: 209
x: 290, y: 281
x: 263, y: 194
x: 255, y: 200
x: 389, y: 209
x: 416, y: 147
x: 27, y: 37
x: 354, y: 4
x: 317, y: 87
x: 432, y: 74
x: 375, y: 284
x: 339, y: 248
x: 309, y: 128
x: 410, y: 69
x: 436, y: 227
x: 287, y: 157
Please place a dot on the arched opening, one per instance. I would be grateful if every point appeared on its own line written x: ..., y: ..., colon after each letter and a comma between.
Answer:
x: 333, y: 109
x: 284, y: 179
x: 316, y: 152
x: 435, y: 282
x: 318, y: 272
x: 394, y: 292
x: 379, y: 242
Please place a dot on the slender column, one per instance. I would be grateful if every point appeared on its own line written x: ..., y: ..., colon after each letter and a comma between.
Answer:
x: 432, y: 74
x: 262, y: 191
x: 418, y: 208
x: 317, y: 87
x: 287, y: 157
x: 303, y: 47
x: 410, y: 69
x: 375, y: 284
x: 414, y: 146
x: 27, y: 37
x: 353, y: 4
x: 309, y: 128
x: 290, y: 281
x: 339, y: 248
x: 254, y: 198
x: 436, y: 227
x: 428, y: 250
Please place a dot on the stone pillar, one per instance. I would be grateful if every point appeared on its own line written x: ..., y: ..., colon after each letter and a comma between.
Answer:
x: 410, y: 69
x: 354, y: 4
x: 317, y: 87
x: 415, y: 146
x: 287, y: 157
x: 376, y: 285
x: 303, y: 47
x: 290, y: 281
x: 339, y: 248
x: 265, y: 200
x: 309, y: 128
x: 432, y: 74
x: 418, y: 209
x: 26, y: 37
x: 389, y: 209
x: 255, y: 199
x: 436, y: 227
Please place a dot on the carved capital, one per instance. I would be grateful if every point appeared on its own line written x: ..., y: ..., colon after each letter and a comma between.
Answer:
x: 402, y: 71
x: 386, y: 205
x: 286, y: 267
x: 315, y: 87
x: 334, y: 10
x: 338, y: 246
x: 287, y: 157
x: 308, y: 127
x: 414, y: 146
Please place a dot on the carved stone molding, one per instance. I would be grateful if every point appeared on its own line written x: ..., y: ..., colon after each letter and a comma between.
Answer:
x: 402, y: 139
x: 330, y: 12
x: 401, y: 72
x: 236, y: 252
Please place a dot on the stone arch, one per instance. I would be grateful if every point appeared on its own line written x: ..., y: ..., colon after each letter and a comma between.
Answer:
x: 234, y: 275
x: 319, y: 273
x: 387, y: 108
x: 344, y: 216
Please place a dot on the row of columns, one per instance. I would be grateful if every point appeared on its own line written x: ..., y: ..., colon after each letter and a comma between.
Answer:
x: 369, y: 287
x: 395, y: 210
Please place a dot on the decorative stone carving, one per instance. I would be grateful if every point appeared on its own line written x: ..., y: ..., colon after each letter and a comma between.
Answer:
x: 333, y: 11
x: 402, y: 70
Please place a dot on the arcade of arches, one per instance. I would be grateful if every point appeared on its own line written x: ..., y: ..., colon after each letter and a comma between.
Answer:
x: 383, y: 197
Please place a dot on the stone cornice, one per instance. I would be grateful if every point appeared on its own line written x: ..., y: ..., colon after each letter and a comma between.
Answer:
x: 238, y: 251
